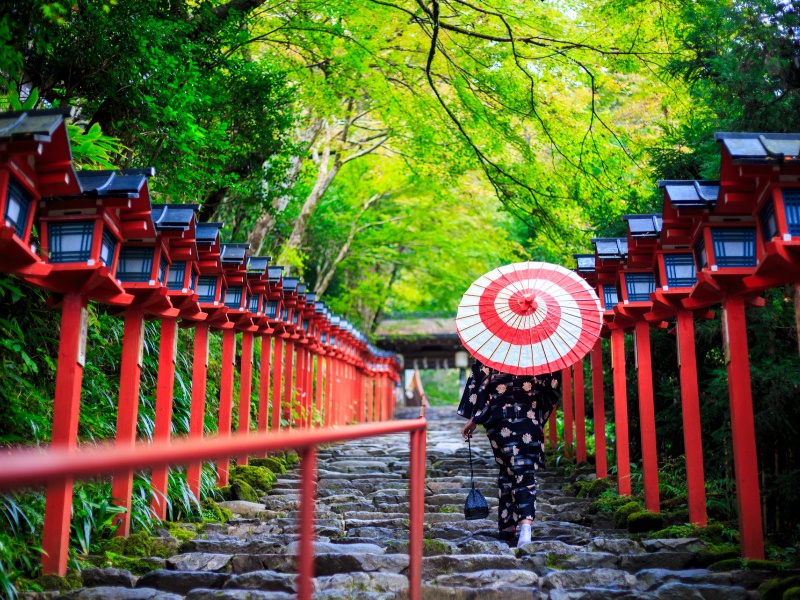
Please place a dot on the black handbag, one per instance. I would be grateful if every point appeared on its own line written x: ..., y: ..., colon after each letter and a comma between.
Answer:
x: 476, y: 506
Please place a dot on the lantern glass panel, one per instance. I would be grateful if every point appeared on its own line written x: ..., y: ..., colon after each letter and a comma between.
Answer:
x: 162, y: 268
x: 734, y: 246
x: 107, y: 248
x: 135, y: 263
x: 305, y: 325
x: 639, y: 286
x: 207, y: 288
x: 177, y: 275
x: 769, y: 224
x: 272, y: 309
x: 610, y: 298
x: 193, y: 278
x: 296, y: 318
x: 324, y: 337
x: 700, y: 253
x: 680, y: 270
x: 233, y: 297
x: 70, y: 241
x: 254, y: 303
x: 791, y: 201
x: 18, y: 207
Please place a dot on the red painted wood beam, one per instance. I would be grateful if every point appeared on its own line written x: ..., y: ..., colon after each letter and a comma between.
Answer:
x: 748, y: 497
x: 690, y: 405
x: 580, y: 412
x: 128, y: 410
x: 300, y: 408
x: 288, y: 383
x: 245, y: 389
x: 647, y: 417
x: 621, y: 412
x: 198, y: 408
x: 599, y: 412
x: 66, y: 409
x: 277, y: 379
x: 368, y: 394
x: 263, y: 385
x: 165, y: 392
x: 226, y: 398
x: 566, y: 401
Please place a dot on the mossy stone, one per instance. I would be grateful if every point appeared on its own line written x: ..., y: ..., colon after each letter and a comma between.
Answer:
x: 623, y: 512
x: 678, y: 501
x: 290, y: 457
x: 71, y: 581
x: 225, y: 492
x: 115, y: 545
x: 735, y: 564
x: 258, y: 478
x: 182, y: 534
x: 137, y: 566
x: 608, y: 504
x: 221, y: 515
x: 270, y: 462
x: 774, y: 589
x: 435, y: 548
x: 640, y: 522
x: 241, y: 490
x: 792, y: 594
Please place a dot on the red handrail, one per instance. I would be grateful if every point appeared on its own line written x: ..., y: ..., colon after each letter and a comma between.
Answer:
x: 25, y: 467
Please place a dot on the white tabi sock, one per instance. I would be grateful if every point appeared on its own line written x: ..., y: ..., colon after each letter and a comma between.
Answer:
x: 524, y: 535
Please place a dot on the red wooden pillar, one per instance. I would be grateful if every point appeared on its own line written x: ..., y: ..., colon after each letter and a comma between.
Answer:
x: 318, y: 391
x: 277, y: 378
x: 69, y: 375
x: 198, y: 409
x: 566, y: 399
x: 329, y: 416
x: 621, y: 412
x: 164, y: 396
x: 226, y: 398
x: 690, y: 401
x: 748, y: 497
x: 378, y: 396
x: 599, y: 412
x: 128, y: 410
x: 310, y: 387
x: 288, y: 383
x: 299, y: 409
x: 647, y: 417
x: 263, y: 385
x: 245, y: 389
x: 580, y: 412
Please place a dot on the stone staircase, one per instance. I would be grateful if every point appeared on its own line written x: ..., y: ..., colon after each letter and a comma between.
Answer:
x: 362, y: 524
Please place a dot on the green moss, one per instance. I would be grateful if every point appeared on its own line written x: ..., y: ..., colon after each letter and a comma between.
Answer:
x: 680, y: 501
x: 640, y: 522
x: 792, y: 594
x: 225, y: 492
x: 448, y: 508
x: 221, y: 515
x: 736, y: 564
x: 137, y: 566
x: 591, y: 489
x: 139, y: 544
x: 608, y: 503
x: 71, y: 581
x: 623, y: 512
x: 258, y: 478
x: 773, y: 589
x: 435, y: 548
x: 556, y: 561
x: 115, y: 545
x: 273, y: 464
x: 290, y: 457
x: 179, y: 533
x: 241, y: 490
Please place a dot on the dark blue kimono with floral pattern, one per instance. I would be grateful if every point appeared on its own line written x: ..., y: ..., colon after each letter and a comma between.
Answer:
x: 513, y: 409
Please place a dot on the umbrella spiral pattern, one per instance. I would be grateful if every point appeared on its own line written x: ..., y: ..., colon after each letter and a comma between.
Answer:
x: 529, y: 318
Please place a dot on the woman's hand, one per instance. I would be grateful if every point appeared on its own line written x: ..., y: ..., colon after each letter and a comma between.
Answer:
x: 468, y: 429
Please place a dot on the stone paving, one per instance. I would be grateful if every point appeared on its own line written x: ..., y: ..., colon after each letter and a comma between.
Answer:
x: 362, y: 526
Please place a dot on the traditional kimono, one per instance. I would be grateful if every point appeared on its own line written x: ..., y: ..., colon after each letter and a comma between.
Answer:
x: 513, y: 409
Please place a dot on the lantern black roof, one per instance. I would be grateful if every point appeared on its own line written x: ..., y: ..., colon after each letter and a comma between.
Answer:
x: 611, y: 248
x: 290, y: 284
x: 257, y: 265
x: 233, y: 254
x: 36, y: 125
x: 207, y: 232
x: 176, y: 217
x: 114, y: 184
x: 585, y: 262
x: 690, y: 193
x: 760, y: 147
x: 644, y: 226
x: 275, y: 273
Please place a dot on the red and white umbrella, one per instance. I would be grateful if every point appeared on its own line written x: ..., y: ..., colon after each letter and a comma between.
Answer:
x: 529, y: 318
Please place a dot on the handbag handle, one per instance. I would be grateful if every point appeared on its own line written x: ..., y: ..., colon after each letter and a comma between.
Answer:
x: 471, y: 475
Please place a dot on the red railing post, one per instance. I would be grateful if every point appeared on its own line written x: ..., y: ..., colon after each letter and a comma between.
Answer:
x: 288, y: 383
x: 647, y: 417
x: 329, y: 414
x: 69, y: 375
x: 299, y: 420
x: 198, y: 409
x: 245, y: 389
x: 308, y: 493
x: 164, y: 397
x: 580, y: 412
x: 320, y: 407
x: 599, y: 412
x: 128, y: 410
x: 745, y: 456
x: 416, y: 483
x: 263, y: 385
x: 566, y: 398
x: 226, y: 398
x: 309, y: 376
x: 692, y: 438
x: 621, y: 412
x: 277, y: 378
